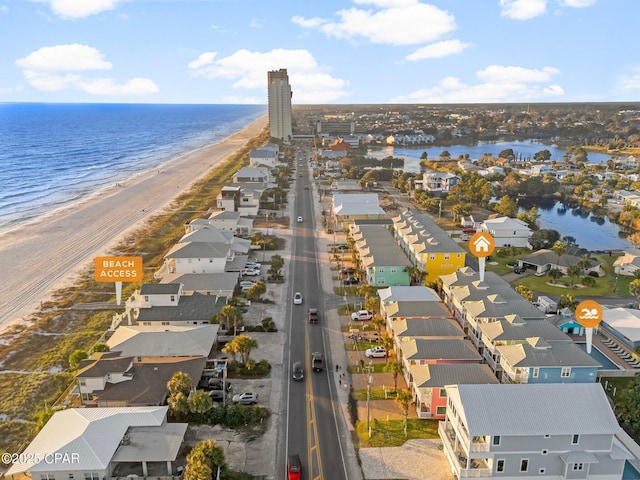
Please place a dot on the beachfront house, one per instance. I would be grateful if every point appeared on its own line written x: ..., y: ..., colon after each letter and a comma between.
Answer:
x: 228, y: 220
x: 101, y: 443
x: 347, y: 207
x: 263, y: 157
x: 252, y: 175
x: 243, y: 198
x: 164, y: 340
x: 109, y: 379
x: 531, y: 431
x: 439, y: 182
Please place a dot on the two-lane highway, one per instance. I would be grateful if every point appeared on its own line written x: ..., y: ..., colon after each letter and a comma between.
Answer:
x: 311, y: 421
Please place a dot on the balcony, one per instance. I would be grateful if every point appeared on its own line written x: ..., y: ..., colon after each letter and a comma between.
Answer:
x: 480, y: 444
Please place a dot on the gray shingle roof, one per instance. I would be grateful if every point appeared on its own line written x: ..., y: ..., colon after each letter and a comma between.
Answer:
x: 439, y: 375
x: 160, y: 289
x: 439, y: 350
x: 190, y: 308
x: 417, y: 310
x: 546, y: 355
x: 505, y: 330
x: 436, y: 327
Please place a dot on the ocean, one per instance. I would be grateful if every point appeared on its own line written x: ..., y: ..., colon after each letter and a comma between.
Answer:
x: 52, y: 155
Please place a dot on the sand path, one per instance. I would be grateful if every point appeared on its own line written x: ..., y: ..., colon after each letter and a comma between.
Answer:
x: 46, y: 255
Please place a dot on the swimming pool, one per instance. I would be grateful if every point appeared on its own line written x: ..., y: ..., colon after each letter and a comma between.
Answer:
x: 629, y: 472
x: 597, y: 355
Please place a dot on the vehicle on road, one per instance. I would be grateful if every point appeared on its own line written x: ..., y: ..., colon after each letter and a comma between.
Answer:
x: 297, y: 372
x: 217, y: 395
x: 316, y: 362
x: 246, y: 398
x: 351, y: 281
x: 361, y: 315
x: 297, y: 298
x: 294, y: 468
x: 312, y: 315
x: 306, y: 187
x: 300, y: 220
x: 376, y: 352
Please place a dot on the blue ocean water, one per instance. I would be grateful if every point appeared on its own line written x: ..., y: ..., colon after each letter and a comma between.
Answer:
x: 54, y: 154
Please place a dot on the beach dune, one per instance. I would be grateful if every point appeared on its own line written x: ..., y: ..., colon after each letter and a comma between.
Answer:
x: 46, y: 255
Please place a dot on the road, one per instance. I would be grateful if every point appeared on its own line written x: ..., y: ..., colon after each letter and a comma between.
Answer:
x: 311, y: 417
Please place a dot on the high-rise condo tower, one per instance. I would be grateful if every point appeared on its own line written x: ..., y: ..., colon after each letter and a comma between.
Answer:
x: 279, y: 92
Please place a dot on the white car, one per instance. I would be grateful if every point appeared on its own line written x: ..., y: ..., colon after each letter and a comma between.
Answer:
x: 297, y: 298
x: 361, y: 315
x: 299, y: 219
x: 246, y: 283
x: 246, y: 398
x: 376, y: 352
x: 252, y: 266
x: 250, y: 272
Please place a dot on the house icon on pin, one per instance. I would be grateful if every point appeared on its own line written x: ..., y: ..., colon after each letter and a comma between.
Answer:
x: 481, y: 245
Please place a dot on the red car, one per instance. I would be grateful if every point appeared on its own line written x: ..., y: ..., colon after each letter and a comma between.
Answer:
x: 294, y: 468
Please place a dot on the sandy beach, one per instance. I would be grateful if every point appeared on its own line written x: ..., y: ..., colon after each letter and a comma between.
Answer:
x: 46, y: 255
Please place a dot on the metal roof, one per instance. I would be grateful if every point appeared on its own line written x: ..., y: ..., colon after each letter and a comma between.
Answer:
x: 436, y: 327
x: 446, y: 349
x: 164, y: 340
x: 537, y: 353
x: 440, y: 375
x: 535, y: 409
x: 402, y: 293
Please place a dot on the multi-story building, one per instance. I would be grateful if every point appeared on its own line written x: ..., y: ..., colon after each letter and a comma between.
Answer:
x: 532, y: 431
x: 279, y: 96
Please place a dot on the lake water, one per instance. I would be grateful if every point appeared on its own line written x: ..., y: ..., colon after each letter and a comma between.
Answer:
x: 590, y: 233
x: 522, y: 149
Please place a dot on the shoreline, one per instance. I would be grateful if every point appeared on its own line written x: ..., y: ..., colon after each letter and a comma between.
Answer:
x: 45, y: 254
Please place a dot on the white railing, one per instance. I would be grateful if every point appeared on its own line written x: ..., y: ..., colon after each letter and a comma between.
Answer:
x: 475, y: 472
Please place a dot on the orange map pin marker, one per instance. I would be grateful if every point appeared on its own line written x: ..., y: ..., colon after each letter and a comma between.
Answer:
x: 482, y: 245
x: 589, y: 315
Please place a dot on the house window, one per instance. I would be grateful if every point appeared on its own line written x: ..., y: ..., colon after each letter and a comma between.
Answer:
x: 536, y: 372
x: 458, y: 255
x: 500, y: 466
x: 91, y: 476
x: 443, y: 393
x: 47, y: 476
x: 446, y: 256
x: 71, y: 476
x: 578, y: 467
x: 544, y: 452
x: 394, y: 269
x: 547, y: 436
x: 83, y: 382
x: 380, y: 281
x: 381, y: 269
x: 496, y: 440
x: 173, y: 298
x: 541, y: 471
x: 524, y: 464
x: 146, y: 298
x: 566, y: 372
x: 575, y: 439
x: 441, y: 410
x: 432, y: 257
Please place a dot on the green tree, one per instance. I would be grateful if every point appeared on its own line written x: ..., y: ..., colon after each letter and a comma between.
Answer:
x: 559, y: 249
x: 588, y: 281
x: 567, y: 301
x: 584, y: 263
x: 204, y: 460
x: 555, y: 274
x: 378, y: 322
x: 387, y: 342
x: 404, y: 399
x: 229, y: 315
x: 507, y: 207
x: 180, y: 382
x: 395, y: 368
x: 200, y: 402
x: 543, y: 238
x: 542, y: 156
x: 241, y: 345
x: 634, y: 289
x: 525, y: 291
x: 100, y: 347
x: 573, y: 272
x: 256, y: 291
x: 275, y: 270
x: 76, y: 357
x: 628, y: 406
x: 179, y: 405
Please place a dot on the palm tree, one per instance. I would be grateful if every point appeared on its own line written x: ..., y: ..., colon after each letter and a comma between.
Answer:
x: 559, y: 248
x: 555, y: 274
x: 634, y: 289
x: 404, y: 399
x: 387, y: 342
x: 395, y: 368
x: 241, y: 345
x: 574, y: 272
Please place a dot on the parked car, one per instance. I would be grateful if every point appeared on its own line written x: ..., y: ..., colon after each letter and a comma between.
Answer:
x: 341, y: 247
x: 312, y: 315
x: 247, y: 283
x: 300, y: 220
x: 351, y: 281
x: 218, y: 384
x: 306, y: 187
x: 250, y: 272
x: 252, y: 265
x: 361, y: 315
x: 246, y: 398
x: 217, y: 395
x: 297, y: 298
x: 376, y: 352
x: 294, y: 468
x: 348, y: 271
x: 297, y: 372
x: 316, y: 362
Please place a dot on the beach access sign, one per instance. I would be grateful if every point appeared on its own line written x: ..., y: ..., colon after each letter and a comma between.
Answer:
x: 118, y: 270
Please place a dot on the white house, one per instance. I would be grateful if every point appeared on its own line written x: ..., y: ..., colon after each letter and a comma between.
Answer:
x: 507, y: 231
x: 89, y: 443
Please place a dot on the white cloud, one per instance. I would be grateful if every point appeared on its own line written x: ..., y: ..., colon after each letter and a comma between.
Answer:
x: 248, y: 70
x: 577, y: 3
x: 523, y: 9
x: 56, y: 68
x: 73, y: 57
x: 439, y: 50
x: 73, y: 9
x: 498, y: 84
x: 4, y: 9
x: 500, y: 74
x: 203, y: 60
x: 396, y: 22
x: 629, y: 83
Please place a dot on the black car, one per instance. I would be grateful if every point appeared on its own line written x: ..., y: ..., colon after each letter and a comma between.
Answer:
x: 351, y: 281
x: 348, y: 271
x: 218, y: 384
x: 312, y: 315
x: 217, y: 395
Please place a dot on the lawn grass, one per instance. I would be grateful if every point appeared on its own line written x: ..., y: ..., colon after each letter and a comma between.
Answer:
x: 390, y: 433
x: 377, y: 368
x: 375, y: 394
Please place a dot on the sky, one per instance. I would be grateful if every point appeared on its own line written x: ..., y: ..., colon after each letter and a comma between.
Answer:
x: 336, y: 52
